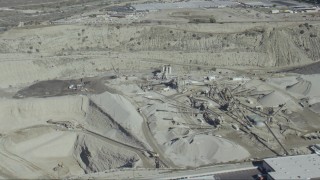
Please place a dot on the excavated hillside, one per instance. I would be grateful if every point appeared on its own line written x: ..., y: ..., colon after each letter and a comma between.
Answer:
x: 259, y: 46
x: 73, y: 50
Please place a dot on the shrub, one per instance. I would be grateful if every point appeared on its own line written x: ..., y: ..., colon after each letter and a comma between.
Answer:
x: 212, y: 20
x: 313, y: 35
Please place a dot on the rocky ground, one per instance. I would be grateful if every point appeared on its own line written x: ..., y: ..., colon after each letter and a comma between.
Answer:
x: 71, y: 78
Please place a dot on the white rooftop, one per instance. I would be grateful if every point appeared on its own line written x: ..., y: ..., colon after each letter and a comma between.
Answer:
x: 295, y: 167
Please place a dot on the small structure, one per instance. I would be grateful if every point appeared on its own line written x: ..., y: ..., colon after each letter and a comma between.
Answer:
x: 166, y: 70
x: 239, y: 79
x: 293, y: 167
x: 210, y: 78
x: 316, y: 148
x: 307, y: 10
x: 21, y: 24
x: 236, y: 127
x: 256, y: 4
x: 259, y: 108
x: 76, y: 86
x: 249, y: 101
x: 287, y: 11
x: 166, y: 89
x: 275, y: 11
x: 257, y: 120
x: 211, y: 119
x: 72, y: 86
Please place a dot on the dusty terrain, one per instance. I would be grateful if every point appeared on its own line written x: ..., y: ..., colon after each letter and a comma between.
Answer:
x: 84, y: 89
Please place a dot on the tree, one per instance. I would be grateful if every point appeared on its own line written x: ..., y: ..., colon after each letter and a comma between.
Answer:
x: 212, y: 20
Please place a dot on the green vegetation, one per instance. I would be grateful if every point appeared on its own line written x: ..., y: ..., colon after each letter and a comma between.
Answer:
x: 212, y: 20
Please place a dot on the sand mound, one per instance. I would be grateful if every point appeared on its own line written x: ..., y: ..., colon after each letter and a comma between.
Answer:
x: 46, y: 148
x: 314, y: 89
x: 204, y: 149
x: 315, y: 107
x: 94, y: 155
x: 97, y: 121
x: 19, y: 113
x: 120, y: 110
x: 39, y: 144
x: 301, y: 87
x: 273, y: 99
x: 283, y: 82
x: 186, y: 147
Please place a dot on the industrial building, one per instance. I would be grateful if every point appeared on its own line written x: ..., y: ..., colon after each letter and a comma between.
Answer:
x: 293, y: 167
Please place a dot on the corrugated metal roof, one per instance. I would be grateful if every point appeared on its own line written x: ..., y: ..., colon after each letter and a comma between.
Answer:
x: 295, y: 167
